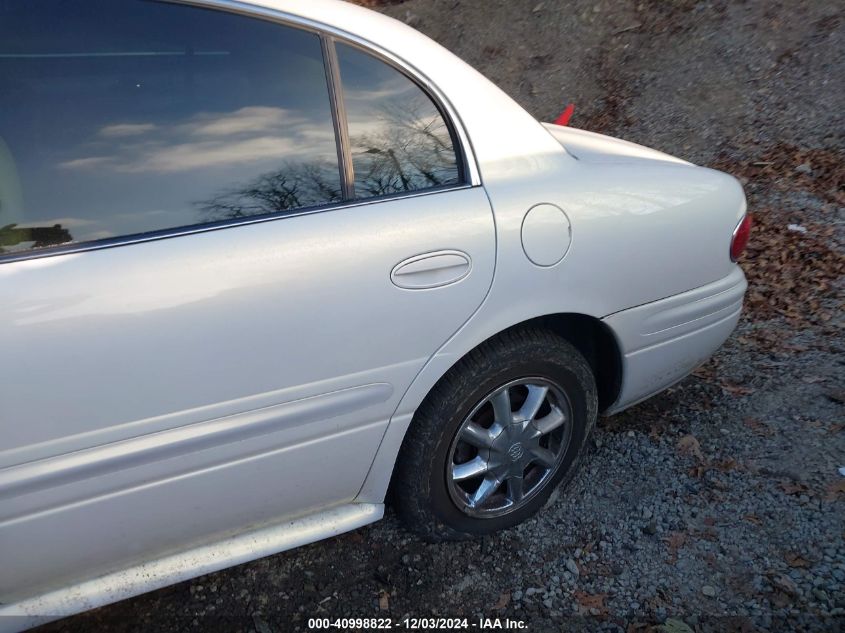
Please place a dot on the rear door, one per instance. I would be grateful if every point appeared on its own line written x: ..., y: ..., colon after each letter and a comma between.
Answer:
x: 209, y: 310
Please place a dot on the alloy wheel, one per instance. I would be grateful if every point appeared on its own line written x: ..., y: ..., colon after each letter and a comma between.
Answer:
x: 508, y: 447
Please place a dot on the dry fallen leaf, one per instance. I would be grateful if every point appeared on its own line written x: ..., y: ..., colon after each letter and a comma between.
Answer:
x: 697, y: 471
x: 813, y: 379
x: 796, y: 560
x: 835, y: 489
x: 736, y: 390
x: 689, y: 445
x: 837, y: 395
x: 588, y: 602
x: 675, y: 541
x: 673, y: 625
x: 757, y: 427
x: 719, y: 484
x: 785, y: 584
x: 504, y: 600
x: 726, y: 465
x: 383, y: 600
x: 793, y: 488
x: 708, y: 534
x: 787, y: 272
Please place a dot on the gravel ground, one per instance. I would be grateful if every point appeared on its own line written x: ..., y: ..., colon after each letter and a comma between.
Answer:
x: 717, y: 505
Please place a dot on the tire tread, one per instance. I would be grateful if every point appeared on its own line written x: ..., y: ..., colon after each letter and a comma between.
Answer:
x: 409, y: 490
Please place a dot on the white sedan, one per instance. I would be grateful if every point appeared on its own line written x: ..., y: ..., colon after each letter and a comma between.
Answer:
x: 265, y: 266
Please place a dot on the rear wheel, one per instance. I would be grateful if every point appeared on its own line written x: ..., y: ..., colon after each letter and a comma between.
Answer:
x: 495, y: 436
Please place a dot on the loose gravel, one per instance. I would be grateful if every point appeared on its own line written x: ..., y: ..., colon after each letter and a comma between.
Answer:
x: 715, y: 506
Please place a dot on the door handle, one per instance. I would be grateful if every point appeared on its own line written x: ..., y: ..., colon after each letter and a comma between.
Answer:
x: 431, y: 270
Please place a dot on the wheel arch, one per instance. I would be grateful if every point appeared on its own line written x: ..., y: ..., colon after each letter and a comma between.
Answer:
x: 588, y: 334
x: 596, y: 342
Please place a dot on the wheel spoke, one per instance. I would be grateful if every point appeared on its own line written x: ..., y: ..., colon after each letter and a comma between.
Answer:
x: 487, y: 488
x: 501, y: 401
x: 532, y: 404
x: 527, y: 437
x: 470, y: 469
x: 543, y: 456
x: 515, y: 489
x: 477, y: 435
x: 550, y: 422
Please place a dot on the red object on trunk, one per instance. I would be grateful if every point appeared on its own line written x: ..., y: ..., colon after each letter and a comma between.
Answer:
x: 564, y: 117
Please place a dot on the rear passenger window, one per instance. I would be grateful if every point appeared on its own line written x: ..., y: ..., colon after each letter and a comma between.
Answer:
x: 399, y: 140
x: 122, y: 118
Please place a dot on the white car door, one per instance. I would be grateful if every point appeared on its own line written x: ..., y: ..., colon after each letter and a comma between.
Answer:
x: 204, y: 325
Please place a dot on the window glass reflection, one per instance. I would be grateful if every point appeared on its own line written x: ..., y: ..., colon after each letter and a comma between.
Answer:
x: 119, y: 118
x: 398, y: 138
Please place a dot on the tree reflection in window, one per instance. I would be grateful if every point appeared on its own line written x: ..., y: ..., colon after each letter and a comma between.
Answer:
x: 296, y: 186
x: 410, y: 150
x: 400, y: 141
x: 13, y: 237
x: 117, y: 117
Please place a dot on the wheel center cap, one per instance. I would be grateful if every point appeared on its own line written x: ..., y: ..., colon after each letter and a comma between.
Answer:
x: 515, y: 452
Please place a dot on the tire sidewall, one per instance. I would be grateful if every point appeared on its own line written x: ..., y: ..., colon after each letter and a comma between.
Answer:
x: 453, y: 411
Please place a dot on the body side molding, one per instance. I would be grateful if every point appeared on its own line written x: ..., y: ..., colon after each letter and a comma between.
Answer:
x: 102, y: 460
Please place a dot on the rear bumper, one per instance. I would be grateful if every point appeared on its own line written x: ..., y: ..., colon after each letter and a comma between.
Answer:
x: 663, y: 341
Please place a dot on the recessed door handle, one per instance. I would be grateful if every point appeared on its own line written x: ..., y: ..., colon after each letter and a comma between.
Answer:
x: 431, y: 270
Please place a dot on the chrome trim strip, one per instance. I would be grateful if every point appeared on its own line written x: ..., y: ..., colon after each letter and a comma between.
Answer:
x: 215, y: 226
x: 103, y: 460
x: 203, y: 559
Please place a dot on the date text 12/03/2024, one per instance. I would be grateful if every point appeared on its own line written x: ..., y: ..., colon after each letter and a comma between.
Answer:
x: 416, y: 624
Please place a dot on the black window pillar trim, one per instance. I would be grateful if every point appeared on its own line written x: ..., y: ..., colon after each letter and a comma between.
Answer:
x: 341, y: 127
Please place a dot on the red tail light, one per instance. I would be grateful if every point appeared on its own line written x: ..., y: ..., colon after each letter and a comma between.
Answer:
x: 739, y: 240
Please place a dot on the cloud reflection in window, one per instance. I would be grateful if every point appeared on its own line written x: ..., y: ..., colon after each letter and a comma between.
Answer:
x: 137, y: 127
x: 400, y: 142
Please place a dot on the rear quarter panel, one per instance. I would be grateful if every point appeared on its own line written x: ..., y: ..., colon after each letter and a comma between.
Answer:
x: 641, y: 230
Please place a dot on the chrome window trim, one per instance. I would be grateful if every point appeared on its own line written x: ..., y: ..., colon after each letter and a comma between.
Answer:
x: 464, y: 151
x: 163, y: 234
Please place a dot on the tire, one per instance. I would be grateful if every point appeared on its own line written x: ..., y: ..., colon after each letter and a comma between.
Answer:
x: 429, y: 491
